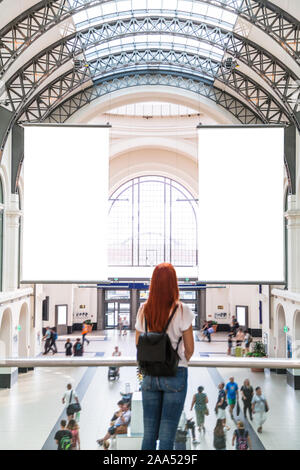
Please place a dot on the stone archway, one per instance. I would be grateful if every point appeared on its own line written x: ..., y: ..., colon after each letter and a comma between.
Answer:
x: 6, y: 334
x: 281, y: 335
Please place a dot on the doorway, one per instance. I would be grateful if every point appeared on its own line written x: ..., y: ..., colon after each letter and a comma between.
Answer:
x: 241, y: 314
x: 114, y: 311
x: 61, y: 319
x: 117, y: 305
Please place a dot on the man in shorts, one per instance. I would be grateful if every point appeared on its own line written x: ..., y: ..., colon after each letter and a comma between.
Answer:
x: 232, y: 394
x: 221, y: 403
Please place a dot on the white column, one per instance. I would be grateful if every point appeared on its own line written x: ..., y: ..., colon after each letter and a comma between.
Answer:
x: 12, y: 221
x: 293, y: 218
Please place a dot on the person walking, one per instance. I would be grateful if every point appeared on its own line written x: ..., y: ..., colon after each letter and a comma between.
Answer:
x: 240, y: 336
x: 73, y: 427
x: 234, y: 326
x: 229, y: 344
x: 248, y: 341
x: 247, y: 395
x: 164, y: 396
x: 120, y: 325
x: 232, y: 394
x: 84, y: 333
x: 221, y: 405
x: 241, y: 438
x: 70, y: 398
x: 47, y: 339
x: 259, y: 408
x: 220, y: 434
x: 53, y: 338
x: 200, y: 401
x: 63, y: 437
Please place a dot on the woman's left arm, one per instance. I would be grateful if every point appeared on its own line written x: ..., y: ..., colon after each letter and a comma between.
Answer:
x: 188, y: 341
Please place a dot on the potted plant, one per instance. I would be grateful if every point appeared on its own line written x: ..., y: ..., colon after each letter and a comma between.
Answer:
x: 258, y: 351
x: 214, y: 325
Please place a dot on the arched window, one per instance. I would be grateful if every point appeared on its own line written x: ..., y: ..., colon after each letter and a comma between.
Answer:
x: 1, y: 231
x: 152, y: 219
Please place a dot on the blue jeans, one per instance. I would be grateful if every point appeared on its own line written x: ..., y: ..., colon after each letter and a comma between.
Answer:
x: 163, y: 402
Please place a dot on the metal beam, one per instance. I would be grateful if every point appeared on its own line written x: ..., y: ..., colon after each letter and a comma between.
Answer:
x: 267, y: 109
x: 17, y: 156
x: 121, y: 81
x: 241, y: 363
x: 22, y: 85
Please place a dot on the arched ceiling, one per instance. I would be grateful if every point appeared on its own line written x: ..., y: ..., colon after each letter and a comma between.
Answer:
x: 59, y: 54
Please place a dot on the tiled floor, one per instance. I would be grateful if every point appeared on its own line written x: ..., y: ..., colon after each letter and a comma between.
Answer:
x: 30, y: 410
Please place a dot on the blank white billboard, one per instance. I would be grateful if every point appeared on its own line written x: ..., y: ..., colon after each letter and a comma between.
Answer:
x: 66, y: 173
x: 241, y: 216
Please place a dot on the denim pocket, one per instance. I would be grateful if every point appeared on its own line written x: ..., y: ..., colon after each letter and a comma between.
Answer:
x: 177, y: 383
x: 146, y: 383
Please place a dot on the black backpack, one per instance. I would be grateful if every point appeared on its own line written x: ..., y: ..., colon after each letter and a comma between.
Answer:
x: 155, y: 354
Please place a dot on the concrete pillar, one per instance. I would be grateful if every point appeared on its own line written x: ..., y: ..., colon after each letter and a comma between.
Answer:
x: 201, y: 305
x: 100, y: 309
x: 134, y: 306
x: 13, y: 215
x: 293, y: 218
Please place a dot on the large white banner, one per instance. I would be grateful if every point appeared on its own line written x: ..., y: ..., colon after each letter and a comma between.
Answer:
x: 66, y: 173
x: 241, y: 207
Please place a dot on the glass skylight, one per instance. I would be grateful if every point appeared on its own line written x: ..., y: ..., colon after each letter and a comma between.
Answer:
x: 200, y: 11
x: 159, y: 109
x: 155, y: 41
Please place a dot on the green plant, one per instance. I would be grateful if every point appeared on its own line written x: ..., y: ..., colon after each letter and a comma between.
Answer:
x: 213, y: 322
x: 258, y: 350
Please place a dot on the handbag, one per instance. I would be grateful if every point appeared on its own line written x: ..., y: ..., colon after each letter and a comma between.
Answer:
x: 206, y: 411
x: 155, y: 354
x: 73, y: 407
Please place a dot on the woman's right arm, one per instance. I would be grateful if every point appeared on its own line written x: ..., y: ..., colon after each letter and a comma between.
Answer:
x: 188, y: 341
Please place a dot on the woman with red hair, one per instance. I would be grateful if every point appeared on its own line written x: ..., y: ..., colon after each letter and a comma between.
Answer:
x: 164, y: 397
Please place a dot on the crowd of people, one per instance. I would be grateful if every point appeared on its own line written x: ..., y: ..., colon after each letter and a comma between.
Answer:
x: 237, y: 334
x: 254, y: 402
x: 76, y: 349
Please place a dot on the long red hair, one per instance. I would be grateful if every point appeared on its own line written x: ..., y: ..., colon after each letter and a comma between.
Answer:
x: 163, y: 295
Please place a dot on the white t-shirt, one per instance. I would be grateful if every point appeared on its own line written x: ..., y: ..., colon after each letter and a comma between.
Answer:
x: 67, y: 396
x: 181, y: 321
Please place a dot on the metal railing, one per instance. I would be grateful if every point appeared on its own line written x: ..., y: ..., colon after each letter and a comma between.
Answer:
x: 242, y: 362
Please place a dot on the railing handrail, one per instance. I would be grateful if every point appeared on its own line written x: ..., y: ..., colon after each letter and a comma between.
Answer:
x: 239, y: 362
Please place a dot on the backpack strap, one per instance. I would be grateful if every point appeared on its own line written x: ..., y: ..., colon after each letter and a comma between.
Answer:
x: 168, y: 322
x: 170, y: 318
x: 167, y: 325
x: 70, y: 399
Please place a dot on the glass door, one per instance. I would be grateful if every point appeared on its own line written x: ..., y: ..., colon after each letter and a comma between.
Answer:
x: 111, y: 315
x: 117, y: 306
x: 189, y: 297
x: 124, y: 314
